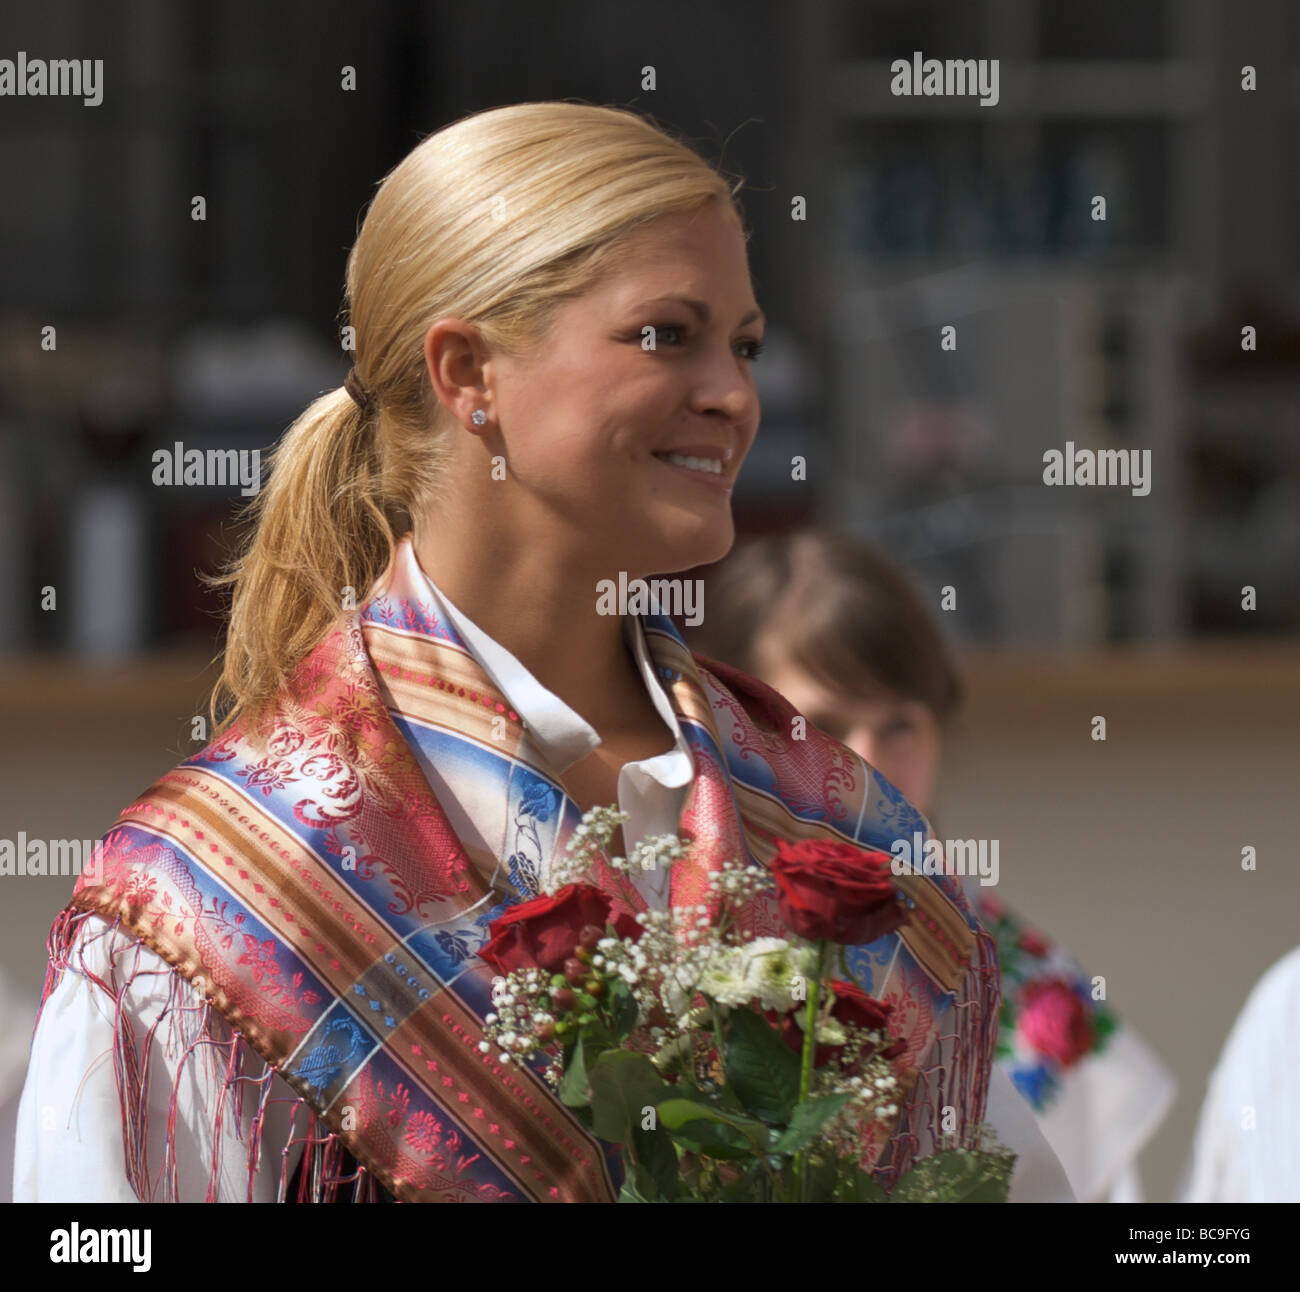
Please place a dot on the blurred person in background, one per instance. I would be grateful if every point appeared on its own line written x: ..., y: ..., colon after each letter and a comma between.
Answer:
x: 271, y: 988
x: 1247, y: 1146
x: 837, y: 629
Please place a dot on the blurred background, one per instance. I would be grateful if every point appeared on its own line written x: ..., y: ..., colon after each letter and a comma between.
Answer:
x: 921, y: 212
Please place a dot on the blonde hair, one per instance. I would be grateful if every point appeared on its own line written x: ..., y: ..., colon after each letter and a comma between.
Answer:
x: 497, y: 219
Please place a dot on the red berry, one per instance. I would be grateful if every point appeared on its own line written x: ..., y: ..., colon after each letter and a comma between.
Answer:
x: 590, y: 937
x: 564, y: 999
x: 574, y: 971
x: 546, y: 1033
x: 594, y: 987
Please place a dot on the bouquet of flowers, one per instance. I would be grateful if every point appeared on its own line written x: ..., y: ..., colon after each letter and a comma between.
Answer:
x: 729, y: 1068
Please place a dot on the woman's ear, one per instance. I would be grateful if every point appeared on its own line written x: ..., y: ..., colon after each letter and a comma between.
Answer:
x: 456, y: 361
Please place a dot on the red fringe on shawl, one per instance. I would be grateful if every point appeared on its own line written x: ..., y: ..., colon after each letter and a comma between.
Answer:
x: 958, y: 1079
x: 325, y: 1171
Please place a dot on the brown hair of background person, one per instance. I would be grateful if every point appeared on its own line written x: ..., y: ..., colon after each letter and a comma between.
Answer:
x: 842, y: 633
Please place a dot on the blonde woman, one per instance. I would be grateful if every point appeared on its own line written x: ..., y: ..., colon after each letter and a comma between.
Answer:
x: 842, y: 633
x: 271, y: 989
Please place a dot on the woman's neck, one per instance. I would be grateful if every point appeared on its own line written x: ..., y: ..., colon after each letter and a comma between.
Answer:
x: 542, y: 607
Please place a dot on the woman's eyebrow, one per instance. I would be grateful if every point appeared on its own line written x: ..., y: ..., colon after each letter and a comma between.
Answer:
x: 702, y: 309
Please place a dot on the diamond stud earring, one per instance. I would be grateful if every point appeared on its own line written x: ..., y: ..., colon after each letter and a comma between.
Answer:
x: 478, y: 417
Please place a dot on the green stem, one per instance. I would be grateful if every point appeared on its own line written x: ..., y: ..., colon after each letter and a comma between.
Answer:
x: 806, y: 1065
x: 717, y: 1033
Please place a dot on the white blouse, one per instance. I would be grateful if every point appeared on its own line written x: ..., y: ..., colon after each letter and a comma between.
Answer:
x: 69, y: 1144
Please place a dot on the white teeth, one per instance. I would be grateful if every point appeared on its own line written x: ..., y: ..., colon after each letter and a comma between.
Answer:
x: 712, y: 465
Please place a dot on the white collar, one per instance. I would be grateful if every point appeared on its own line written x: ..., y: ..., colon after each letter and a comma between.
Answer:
x: 560, y: 732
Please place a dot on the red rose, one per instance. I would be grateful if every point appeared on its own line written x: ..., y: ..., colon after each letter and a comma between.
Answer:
x: 626, y: 926
x: 854, y: 1007
x: 1033, y: 943
x: 836, y: 891
x: 1055, y: 1021
x: 543, y: 933
x: 851, y: 1006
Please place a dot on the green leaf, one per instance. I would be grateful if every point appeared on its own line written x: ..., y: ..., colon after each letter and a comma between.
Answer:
x: 956, y: 1175
x: 747, y: 1189
x: 575, y: 1089
x: 823, y: 1176
x: 656, y: 1164
x: 677, y: 1112
x: 806, y: 1120
x: 622, y: 1085
x: 720, y: 1097
x: 720, y: 1142
x: 622, y: 1009
x: 628, y: 1192
x: 702, y: 1127
x: 761, y: 1067
x: 714, y: 1140
x: 857, y: 1185
x: 1104, y: 1025
x: 597, y: 1038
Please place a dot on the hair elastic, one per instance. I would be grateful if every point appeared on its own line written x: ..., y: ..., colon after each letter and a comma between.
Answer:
x: 360, y: 395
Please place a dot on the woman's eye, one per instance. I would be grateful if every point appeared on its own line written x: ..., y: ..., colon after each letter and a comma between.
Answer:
x: 676, y: 336
x: 659, y: 329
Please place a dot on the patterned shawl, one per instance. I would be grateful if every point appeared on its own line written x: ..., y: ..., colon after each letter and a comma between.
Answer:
x: 315, y: 892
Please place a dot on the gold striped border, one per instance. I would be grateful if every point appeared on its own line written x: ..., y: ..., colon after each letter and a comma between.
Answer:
x: 446, y: 1033
x: 687, y: 693
x: 437, y: 684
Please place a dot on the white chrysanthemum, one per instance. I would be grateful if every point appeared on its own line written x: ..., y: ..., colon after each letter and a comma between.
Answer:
x: 725, y: 980
x: 774, y: 968
x: 678, y: 1048
x: 678, y: 989
x: 830, y: 1031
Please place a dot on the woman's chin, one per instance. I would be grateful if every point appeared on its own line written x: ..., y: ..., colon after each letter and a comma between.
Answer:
x: 703, y: 545
x: 718, y: 549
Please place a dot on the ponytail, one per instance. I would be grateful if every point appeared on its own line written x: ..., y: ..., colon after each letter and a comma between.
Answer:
x: 320, y: 526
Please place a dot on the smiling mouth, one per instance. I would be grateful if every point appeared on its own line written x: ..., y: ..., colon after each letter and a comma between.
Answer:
x: 707, y: 466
